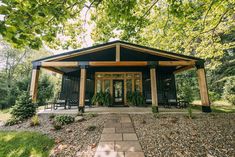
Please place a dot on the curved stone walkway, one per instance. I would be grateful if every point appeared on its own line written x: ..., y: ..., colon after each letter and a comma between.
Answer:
x: 119, y: 139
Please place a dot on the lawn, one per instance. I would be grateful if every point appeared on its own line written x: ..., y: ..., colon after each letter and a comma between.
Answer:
x: 4, y: 115
x: 23, y: 144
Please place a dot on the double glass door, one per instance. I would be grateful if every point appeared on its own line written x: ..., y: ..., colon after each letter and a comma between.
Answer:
x: 118, y: 84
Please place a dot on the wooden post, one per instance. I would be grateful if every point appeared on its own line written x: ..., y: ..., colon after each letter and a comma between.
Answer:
x: 34, y: 84
x: 82, y: 90
x: 153, y: 79
x: 203, y: 90
x: 117, y: 52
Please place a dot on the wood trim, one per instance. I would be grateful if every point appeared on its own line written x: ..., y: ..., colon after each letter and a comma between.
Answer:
x: 176, y: 63
x: 110, y: 63
x: 60, y: 64
x: 82, y: 87
x: 183, y: 69
x: 153, y: 87
x: 79, y: 53
x: 34, y: 84
x: 113, y: 63
x: 54, y: 70
x: 118, y: 52
x: 203, y: 87
x: 154, y: 52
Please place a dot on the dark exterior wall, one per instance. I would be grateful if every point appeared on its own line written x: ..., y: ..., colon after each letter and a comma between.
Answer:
x: 71, y: 81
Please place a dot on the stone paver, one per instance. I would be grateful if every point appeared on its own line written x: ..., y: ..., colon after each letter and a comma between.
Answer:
x: 125, y: 130
x: 108, y: 131
x: 119, y: 139
x: 134, y: 154
x: 111, y: 137
x: 109, y: 154
x: 105, y: 146
x: 127, y: 146
x: 129, y: 137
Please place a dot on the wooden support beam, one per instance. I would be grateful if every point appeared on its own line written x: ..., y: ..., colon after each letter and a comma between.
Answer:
x: 153, y: 79
x: 183, y: 69
x: 60, y: 64
x: 203, y: 90
x: 34, y: 84
x: 54, y: 70
x: 118, y: 52
x: 124, y: 63
x: 82, y: 88
x: 176, y: 63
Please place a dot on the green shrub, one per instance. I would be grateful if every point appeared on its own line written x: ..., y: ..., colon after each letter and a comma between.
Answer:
x: 102, y: 98
x: 35, y: 121
x: 24, y: 108
x: 229, y: 90
x: 135, y: 98
x: 52, y: 116
x: 154, y: 109
x: 190, y: 112
x: 12, y: 121
x: 91, y: 128
x: 64, y: 119
x: 57, y: 126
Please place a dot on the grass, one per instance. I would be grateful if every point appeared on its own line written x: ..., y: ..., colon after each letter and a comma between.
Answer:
x: 218, y: 109
x: 22, y: 144
x: 5, y: 115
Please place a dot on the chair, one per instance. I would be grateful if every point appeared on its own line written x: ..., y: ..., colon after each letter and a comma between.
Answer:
x: 72, y: 102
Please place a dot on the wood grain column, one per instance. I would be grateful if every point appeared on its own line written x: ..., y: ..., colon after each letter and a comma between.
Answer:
x: 203, y: 90
x: 34, y: 84
x: 153, y: 79
x: 82, y: 90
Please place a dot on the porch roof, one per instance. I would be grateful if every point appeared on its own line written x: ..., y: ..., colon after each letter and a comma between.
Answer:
x: 122, y: 43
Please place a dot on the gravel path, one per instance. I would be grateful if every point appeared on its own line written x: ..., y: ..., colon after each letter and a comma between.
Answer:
x: 207, y: 135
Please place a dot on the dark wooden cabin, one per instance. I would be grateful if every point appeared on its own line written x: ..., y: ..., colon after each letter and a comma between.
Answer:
x: 119, y: 67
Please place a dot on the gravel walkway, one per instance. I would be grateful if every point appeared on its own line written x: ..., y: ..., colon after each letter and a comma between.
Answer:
x: 207, y: 135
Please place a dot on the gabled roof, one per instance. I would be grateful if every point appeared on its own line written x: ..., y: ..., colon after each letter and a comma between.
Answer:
x: 107, y: 45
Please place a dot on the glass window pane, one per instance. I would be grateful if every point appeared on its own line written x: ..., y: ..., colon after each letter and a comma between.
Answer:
x: 107, y: 86
x: 118, y: 75
x: 129, y: 85
x: 129, y: 75
x: 137, y: 85
x: 137, y: 75
x: 98, y: 86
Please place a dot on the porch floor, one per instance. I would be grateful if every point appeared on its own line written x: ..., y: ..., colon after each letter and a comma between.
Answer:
x: 107, y: 110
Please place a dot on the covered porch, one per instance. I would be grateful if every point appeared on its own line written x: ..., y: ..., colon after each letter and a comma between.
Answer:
x: 119, y: 68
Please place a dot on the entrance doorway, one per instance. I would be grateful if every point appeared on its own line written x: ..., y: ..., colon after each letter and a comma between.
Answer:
x: 118, y: 84
x: 118, y: 92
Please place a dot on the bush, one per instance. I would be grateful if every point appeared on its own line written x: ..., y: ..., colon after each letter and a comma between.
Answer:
x: 135, y: 98
x: 102, y: 98
x: 12, y: 121
x: 190, y: 112
x: 154, y: 109
x: 34, y: 121
x: 91, y: 128
x: 64, y: 119
x: 229, y: 90
x: 24, y: 107
x: 57, y: 126
x: 52, y: 116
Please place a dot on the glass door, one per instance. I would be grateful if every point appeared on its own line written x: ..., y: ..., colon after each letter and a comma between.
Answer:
x: 118, y: 92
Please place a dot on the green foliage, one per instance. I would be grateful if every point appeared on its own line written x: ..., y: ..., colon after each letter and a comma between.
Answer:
x: 12, y: 121
x: 29, y: 144
x: 135, y: 98
x: 64, y: 119
x: 35, y: 121
x: 155, y: 109
x: 24, y: 107
x: 229, y: 90
x: 102, y: 98
x: 52, y: 116
x: 91, y: 128
x: 187, y: 86
x: 190, y: 112
x: 45, y: 90
x: 57, y: 126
